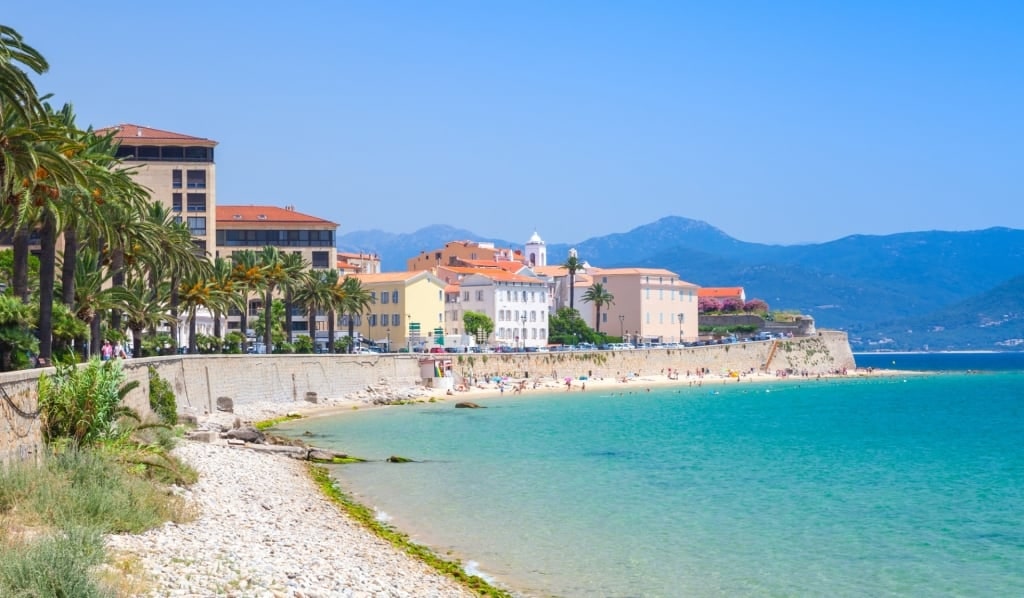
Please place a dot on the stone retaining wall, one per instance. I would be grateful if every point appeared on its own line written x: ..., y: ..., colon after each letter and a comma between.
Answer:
x: 198, y: 380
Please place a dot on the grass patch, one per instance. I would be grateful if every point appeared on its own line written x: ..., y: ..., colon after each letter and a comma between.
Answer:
x: 54, y: 516
x: 400, y: 540
x: 270, y: 423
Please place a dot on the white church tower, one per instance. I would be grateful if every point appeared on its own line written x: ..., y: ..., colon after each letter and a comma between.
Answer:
x: 536, y: 251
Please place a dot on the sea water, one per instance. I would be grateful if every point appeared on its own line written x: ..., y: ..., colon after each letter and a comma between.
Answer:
x: 881, y: 486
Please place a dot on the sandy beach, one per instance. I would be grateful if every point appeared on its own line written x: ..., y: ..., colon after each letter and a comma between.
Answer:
x: 264, y: 529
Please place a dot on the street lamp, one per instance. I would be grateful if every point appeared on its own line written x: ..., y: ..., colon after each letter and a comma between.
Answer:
x: 389, y: 339
x: 622, y: 319
x: 524, y: 331
x: 680, y: 327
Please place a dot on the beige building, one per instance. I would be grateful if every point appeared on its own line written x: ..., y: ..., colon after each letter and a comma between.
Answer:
x: 179, y: 172
x: 454, y: 251
x: 255, y: 227
x: 651, y: 304
x: 358, y: 263
x: 407, y: 308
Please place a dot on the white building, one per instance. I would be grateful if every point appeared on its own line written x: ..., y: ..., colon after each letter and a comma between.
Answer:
x: 518, y: 305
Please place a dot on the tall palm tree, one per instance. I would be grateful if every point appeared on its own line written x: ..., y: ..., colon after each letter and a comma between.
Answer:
x: 227, y: 294
x: 297, y: 268
x: 318, y: 293
x: 573, y: 265
x: 355, y: 301
x: 600, y: 297
x: 198, y: 289
x: 17, y: 93
x: 248, y: 277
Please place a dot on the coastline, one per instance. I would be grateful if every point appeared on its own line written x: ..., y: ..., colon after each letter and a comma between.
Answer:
x: 264, y: 527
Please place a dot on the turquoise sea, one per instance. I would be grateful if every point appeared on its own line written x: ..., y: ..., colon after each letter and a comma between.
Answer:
x: 902, y: 486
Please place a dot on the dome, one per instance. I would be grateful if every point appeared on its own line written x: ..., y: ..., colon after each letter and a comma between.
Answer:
x: 535, y: 239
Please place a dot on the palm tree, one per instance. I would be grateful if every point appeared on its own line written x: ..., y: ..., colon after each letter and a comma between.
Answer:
x: 140, y: 309
x: 600, y: 297
x: 227, y: 295
x: 248, y: 277
x: 573, y: 265
x: 317, y: 294
x: 297, y: 268
x: 17, y: 93
x: 279, y: 270
x: 355, y: 301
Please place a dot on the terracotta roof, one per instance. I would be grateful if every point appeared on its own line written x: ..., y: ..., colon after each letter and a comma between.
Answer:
x: 389, y: 277
x: 138, y: 134
x: 720, y: 292
x: 507, y: 265
x: 503, y: 276
x: 228, y: 214
x: 452, y: 288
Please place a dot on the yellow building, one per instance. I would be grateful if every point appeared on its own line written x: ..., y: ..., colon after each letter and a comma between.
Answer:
x: 178, y: 170
x: 651, y: 304
x: 407, y: 308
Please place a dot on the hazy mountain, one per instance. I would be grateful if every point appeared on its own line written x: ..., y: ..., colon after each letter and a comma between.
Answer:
x: 988, y: 321
x: 871, y: 286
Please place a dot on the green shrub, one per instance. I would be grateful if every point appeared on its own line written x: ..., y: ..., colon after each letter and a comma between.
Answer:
x: 303, y: 344
x: 83, y: 404
x: 56, y: 566
x: 161, y: 398
x: 233, y: 342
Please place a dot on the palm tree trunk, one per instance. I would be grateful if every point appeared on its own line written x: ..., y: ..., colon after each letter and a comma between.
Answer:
x: 572, y: 290
x: 288, y: 318
x: 175, y: 301
x: 193, y: 348
x: 351, y: 333
x: 116, y: 279
x: 67, y: 274
x: 137, y: 341
x: 244, y: 321
x: 268, y: 338
x: 47, y: 276
x: 311, y: 326
x: 19, y: 278
x: 96, y: 331
x: 597, y: 321
x: 330, y: 331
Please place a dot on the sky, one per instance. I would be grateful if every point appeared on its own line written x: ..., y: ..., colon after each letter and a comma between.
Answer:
x: 777, y: 122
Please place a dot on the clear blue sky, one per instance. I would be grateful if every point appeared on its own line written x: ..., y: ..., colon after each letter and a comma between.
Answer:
x: 778, y: 122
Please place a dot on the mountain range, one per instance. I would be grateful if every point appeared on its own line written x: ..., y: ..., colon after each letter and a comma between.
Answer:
x: 930, y: 290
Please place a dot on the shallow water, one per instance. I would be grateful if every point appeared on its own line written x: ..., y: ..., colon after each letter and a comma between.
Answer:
x: 836, y: 487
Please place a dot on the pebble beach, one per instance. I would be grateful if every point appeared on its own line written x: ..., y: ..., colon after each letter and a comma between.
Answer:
x: 264, y: 529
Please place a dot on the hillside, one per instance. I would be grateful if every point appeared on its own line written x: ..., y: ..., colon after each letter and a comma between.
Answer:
x: 871, y: 286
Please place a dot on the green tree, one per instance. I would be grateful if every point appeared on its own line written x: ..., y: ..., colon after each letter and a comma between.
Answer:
x: 248, y: 278
x: 17, y: 93
x: 355, y: 301
x: 600, y: 297
x: 16, y: 341
x: 477, y: 325
x: 567, y: 327
x: 573, y: 265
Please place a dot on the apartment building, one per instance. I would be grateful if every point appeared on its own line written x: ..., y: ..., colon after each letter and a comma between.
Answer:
x: 179, y: 171
x: 462, y: 250
x: 407, y: 308
x: 651, y: 304
x: 518, y: 305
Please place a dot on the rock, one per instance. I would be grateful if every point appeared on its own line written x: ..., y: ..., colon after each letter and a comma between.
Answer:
x: 248, y: 434
x: 188, y: 419
x: 397, y: 459
x: 325, y: 456
x: 204, y: 436
x: 225, y: 404
x: 468, y: 405
x: 311, y: 397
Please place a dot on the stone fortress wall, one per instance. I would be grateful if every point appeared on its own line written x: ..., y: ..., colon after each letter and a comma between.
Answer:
x: 198, y: 380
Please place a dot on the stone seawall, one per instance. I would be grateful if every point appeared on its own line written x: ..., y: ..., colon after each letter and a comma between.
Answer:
x: 198, y: 380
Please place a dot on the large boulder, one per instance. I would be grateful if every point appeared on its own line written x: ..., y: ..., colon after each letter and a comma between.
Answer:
x: 468, y: 405
x: 225, y: 404
x: 247, y: 434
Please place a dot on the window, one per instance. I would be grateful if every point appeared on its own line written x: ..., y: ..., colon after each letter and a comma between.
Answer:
x: 394, y: 296
x: 176, y: 179
x: 196, y: 202
x: 373, y: 296
x: 373, y: 320
x: 604, y: 318
x: 197, y: 225
x: 385, y: 298
x: 176, y: 202
x: 396, y: 320
x: 647, y: 293
x: 479, y: 295
x: 196, y: 179
x: 465, y: 295
x: 321, y: 259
